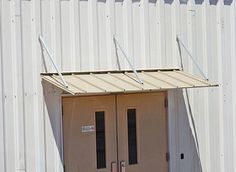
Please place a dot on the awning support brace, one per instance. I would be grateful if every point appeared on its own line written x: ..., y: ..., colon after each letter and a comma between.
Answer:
x: 187, y: 96
x: 179, y: 41
x: 127, y: 59
x: 44, y: 46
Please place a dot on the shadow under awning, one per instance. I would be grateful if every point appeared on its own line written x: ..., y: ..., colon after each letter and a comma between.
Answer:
x: 115, y: 82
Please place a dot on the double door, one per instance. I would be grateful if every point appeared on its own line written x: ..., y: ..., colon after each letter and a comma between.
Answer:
x: 115, y: 133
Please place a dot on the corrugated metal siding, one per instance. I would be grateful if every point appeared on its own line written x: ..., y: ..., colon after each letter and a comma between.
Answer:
x: 79, y: 34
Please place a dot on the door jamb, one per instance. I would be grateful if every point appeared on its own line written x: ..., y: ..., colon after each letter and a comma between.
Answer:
x: 62, y: 133
x: 166, y: 106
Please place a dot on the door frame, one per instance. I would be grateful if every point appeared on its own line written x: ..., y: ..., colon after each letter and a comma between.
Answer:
x: 166, y: 112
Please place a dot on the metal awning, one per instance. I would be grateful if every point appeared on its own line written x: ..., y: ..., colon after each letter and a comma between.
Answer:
x: 114, y: 82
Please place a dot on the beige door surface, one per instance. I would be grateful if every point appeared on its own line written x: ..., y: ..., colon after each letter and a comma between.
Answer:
x: 151, y: 131
x: 80, y: 146
x: 135, y: 133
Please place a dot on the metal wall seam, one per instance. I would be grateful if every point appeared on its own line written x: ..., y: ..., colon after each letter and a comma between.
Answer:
x: 228, y: 89
x: 233, y: 12
x: 85, y: 56
x: 37, y: 91
x: 128, y: 13
x: 205, y: 154
x: 17, y: 84
x: 93, y: 34
x: 145, y: 36
x: 29, y: 85
x: 102, y: 43
x: 153, y: 42
x: 22, y: 84
x: 2, y: 111
x: 162, y: 40
x: 201, y: 96
x: 73, y: 28
x: 67, y: 42
x: 233, y: 67
x: 8, y: 92
x: 42, y: 67
x: 220, y: 54
x: 110, y: 31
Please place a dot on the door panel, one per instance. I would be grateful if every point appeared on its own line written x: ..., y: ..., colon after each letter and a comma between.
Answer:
x: 103, y: 132
x: 151, y: 134
x: 83, y: 133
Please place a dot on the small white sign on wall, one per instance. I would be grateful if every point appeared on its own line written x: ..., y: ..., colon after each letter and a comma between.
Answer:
x: 88, y: 128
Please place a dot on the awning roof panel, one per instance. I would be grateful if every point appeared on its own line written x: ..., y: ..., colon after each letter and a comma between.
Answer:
x: 130, y: 81
x: 101, y: 83
x: 118, y: 80
x: 108, y: 82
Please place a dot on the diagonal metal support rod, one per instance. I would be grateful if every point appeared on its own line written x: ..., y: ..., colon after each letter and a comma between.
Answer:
x: 179, y: 41
x: 127, y: 59
x: 191, y: 118
x: 44, y: 46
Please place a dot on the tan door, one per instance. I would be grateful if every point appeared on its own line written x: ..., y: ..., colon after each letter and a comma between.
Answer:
x: 133, y: 136
x: 142, y: 132
x: 87, y: 148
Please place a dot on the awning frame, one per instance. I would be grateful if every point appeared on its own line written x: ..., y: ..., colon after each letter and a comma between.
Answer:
x: 128, y: 76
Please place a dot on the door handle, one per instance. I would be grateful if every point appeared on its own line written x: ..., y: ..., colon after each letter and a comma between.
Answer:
x: 113, y: 167
x: 122, y: 166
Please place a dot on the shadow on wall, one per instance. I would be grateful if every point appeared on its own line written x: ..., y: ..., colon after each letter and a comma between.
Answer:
x: 152, y: 1
x: 169, y: 1
x: 198, y: 2
x: 188, y: 157
x: 213, y: 2
x: 52, y: 98
x: 104, y: 1
x: 228, y: 2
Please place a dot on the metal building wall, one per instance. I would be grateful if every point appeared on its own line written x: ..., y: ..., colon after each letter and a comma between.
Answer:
x: 79, y: 34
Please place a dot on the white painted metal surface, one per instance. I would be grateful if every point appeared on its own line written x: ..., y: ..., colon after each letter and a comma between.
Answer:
x: 44, y: 47
x: 79, y: 34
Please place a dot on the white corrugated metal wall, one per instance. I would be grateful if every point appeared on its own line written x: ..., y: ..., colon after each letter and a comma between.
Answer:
x: 79, y: 34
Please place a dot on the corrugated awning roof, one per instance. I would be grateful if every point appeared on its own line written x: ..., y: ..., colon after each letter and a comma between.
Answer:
x: 112, y: 82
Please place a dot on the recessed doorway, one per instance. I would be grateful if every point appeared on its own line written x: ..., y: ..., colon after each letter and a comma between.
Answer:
x: 111, y: 133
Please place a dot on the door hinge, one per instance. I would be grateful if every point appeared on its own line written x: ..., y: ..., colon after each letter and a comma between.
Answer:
x: 167, y: 156
x: 166, y: 103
